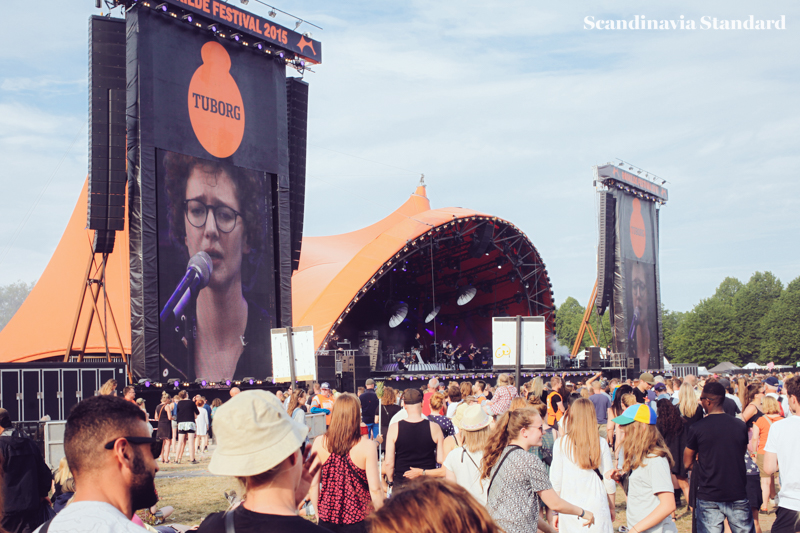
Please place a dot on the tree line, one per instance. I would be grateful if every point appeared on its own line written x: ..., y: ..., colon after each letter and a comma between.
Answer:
x: 757, y: 321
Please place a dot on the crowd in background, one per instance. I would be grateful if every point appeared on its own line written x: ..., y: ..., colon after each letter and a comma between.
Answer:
x: 547, y: 455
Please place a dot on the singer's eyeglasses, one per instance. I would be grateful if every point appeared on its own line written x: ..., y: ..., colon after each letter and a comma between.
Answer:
x: 197, y: 214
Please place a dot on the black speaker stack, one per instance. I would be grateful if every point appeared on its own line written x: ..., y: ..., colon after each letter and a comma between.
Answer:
x: 297, y: 107
x: 107, y: 145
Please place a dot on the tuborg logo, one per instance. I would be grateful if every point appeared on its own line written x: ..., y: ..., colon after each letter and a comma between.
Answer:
x: 215, y: 103
x: 638, y: 233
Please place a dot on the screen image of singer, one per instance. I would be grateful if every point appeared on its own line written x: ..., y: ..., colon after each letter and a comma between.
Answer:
x: 212, y: 207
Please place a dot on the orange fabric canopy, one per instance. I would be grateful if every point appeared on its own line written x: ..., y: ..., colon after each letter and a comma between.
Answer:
x: 41, y: 327
x: 333, y: 269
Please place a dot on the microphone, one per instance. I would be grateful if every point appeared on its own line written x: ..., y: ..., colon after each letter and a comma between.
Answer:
x: 634, y: 322
x: 198, y: 274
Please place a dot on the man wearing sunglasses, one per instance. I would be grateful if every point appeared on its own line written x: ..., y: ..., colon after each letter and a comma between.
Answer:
x: 112, y: 458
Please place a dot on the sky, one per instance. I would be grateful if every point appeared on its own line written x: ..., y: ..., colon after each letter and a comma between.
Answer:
x: 504, y: 106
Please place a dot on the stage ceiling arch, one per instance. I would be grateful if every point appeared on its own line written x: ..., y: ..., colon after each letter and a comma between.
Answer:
x: 420, y: 257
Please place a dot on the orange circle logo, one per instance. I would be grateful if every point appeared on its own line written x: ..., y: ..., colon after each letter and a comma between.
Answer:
x: 638, y: 233
x: 215, y: 103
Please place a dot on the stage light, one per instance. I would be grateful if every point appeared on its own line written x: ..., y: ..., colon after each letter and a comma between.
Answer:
x: 499, y: 262
x: 227, y: 383
x: 398, y: 313
x: 203, y: 383
x: 236, y: 36
x: 272, y: 13
x: 433, y: 313
x: 176, y: 384
x: 187, y: 18
x: 281, y: 54
x: 162, y: 7
x: 466, y: 294
x: 212, y: 27
x: 245, y: 2
x: 260, y: 46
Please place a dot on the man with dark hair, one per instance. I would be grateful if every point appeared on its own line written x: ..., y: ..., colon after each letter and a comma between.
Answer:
x: 25, y: 480
x: 781, y: 453
x: 478, y: 390
x: 112, y: 458
x: 412, y: 443
x: 718, y: 444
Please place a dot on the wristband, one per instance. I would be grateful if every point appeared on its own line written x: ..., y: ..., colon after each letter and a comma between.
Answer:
x: 423, y: 471
x: 583, y: 512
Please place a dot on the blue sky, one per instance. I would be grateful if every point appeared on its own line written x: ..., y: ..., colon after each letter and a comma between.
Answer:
x: 504, y: 106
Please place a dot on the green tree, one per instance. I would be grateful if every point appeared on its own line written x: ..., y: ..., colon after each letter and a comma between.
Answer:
x: 11, y: 298
x: 568, y: 321
x: 727, y: 290
x: 670, y: 322
x: 752, y: 303
x: 706, y: 336
x: 781, y: 340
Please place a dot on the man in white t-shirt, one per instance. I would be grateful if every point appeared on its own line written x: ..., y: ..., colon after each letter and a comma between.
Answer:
x: 781, y: 455
x: 112, y: 459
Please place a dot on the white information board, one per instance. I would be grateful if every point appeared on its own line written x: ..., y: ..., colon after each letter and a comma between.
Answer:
x: 504, y: 341
x: 305, y: 365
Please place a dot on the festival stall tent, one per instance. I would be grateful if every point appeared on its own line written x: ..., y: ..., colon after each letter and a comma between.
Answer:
x: 724, y: 367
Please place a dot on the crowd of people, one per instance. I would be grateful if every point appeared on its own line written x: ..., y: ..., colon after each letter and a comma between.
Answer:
x: 545, y: 456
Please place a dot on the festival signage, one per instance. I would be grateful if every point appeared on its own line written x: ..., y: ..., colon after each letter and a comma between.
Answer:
x: 207, y: 154
x: 255, y: 28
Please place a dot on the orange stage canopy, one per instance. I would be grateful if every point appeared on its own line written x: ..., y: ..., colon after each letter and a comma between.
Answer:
x: 332, y: 271
x: 42, y: 326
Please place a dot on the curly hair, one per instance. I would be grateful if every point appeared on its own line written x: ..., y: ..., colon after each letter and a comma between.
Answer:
x: 247, y: 184
x: 668, y: 420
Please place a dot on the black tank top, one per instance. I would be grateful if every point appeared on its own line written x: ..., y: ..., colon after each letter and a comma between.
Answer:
x: 414, y: 447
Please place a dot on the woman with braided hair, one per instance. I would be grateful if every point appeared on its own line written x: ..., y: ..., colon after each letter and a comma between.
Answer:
x: 515, y: 479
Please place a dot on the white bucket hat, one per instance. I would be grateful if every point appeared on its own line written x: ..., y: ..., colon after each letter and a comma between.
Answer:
x: 254, y: 434
x: 475, y: 418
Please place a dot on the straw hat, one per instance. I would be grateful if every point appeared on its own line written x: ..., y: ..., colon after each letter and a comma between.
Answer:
x: 254, y: 433
x: 474, y: 419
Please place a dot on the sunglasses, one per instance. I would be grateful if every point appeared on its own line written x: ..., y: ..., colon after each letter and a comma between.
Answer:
x: 155, y: 444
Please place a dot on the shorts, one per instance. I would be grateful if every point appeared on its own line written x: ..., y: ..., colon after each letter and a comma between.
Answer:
x: 760, y: 463
x: 185, y: 428
x: 754, y: 495
x: 786, y: 521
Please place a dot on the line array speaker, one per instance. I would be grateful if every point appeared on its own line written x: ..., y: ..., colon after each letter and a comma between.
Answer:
x: 107, y: 166
x: 297, y: 106
x: 481, y: 239
x: 605, y: 251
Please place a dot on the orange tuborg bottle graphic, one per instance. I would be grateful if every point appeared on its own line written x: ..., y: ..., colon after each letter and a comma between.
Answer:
x: 638, y: 233
x: 216, y: 109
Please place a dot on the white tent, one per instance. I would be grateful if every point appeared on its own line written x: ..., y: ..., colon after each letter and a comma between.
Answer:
x: 752, y: 366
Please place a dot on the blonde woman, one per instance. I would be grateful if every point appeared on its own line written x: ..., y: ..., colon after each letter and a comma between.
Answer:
x: 651, y: 498
x: 64, y: 485
x: 109, y: 388
x: 688, y: 404
x: 761, y: 426
x: 581, y: 469
x: 462, y: 465
x: 164, y: 417
x: 514, y: 478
